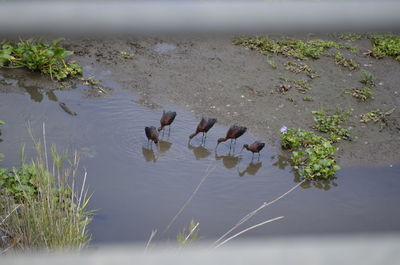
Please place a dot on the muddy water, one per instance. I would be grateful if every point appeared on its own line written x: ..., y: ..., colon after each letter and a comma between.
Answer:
x: 138, y: 189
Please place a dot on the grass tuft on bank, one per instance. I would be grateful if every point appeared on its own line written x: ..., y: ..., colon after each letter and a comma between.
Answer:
x: 41, y: 206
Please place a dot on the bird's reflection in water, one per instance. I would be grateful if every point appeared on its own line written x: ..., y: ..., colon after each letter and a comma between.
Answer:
x: 149, y: 154
x: 251, y: 169
x: 229, y: 161
x: 199, y: 151
x: 164, y: 146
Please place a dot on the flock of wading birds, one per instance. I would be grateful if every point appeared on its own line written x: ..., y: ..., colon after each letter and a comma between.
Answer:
x: 234, y: 132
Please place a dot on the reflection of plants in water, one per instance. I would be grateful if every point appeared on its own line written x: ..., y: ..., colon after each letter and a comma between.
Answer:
x: 37, y: 94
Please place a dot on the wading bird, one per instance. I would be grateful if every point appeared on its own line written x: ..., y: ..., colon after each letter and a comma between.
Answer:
x: 255, y: 147
x: 204, y: 126
x: 166, y: 119
x: 152, y: 134
x: 234, y: 132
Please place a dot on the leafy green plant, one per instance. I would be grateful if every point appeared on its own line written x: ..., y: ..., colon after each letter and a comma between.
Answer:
x: 348, y: 63
x: 331, y: 124
x: 312, y: 49
x: 38, y: 56
x: 312, y: 155
x: 300, y: 67
x: 385, y: 45
x: 189, y: 234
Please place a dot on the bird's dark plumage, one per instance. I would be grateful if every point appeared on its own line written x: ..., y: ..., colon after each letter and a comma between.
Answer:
x: 166, y: 119
x: 151, y: 133
x: 234, y: 132
x: 204, y: 126
x: 255, y: 147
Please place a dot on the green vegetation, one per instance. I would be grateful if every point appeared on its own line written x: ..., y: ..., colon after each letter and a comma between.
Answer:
x: 302, y: 85
x: 360, y: 93
x: 189, y: 234
x: 273, y: 64
x: 40, y: 208
x: 348, y: 63
x: 126, y: 55
x: 376, y: 116
x: 331, y: 124
x: 385, y: 45
x: 349, y: 36
x: 294, y: 48
x: 38, y: 56
x: 312, y: 155
x: 367, y: 79
x: 1, y: 123
x: 300, y: 67
x: 308, y: 99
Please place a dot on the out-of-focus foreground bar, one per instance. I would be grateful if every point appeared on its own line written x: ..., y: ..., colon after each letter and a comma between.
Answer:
x: 329, y: 250
x: 169, y: 17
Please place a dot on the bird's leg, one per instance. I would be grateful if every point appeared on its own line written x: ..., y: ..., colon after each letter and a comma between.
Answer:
x: 169, y: 130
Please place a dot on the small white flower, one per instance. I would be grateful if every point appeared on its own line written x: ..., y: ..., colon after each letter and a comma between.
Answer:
x: 283, y: 129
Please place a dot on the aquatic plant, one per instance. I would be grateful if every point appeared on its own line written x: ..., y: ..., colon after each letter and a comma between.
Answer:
x: 331, y: 124
x: 43, y: 208
x: 295, y: 48
x: 39, y: 56
x: 312, y: 155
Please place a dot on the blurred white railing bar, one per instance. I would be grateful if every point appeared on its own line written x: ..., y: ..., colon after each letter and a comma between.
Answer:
x: 153, y: 17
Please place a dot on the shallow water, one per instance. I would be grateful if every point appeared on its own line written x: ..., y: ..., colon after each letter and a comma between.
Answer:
x: 138, y: 189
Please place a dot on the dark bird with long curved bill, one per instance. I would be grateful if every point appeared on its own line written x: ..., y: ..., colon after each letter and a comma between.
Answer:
x: 255, y: 147
x: 151, y: 134
x: 166, y: 119
x: 204, y: 126
x: 234, y: 132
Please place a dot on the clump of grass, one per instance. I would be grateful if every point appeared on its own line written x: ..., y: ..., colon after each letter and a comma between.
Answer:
x: 367, y: 78
x: 273, y: 64
x: 39, y: 56
x: 301, y: 68
x: 308, y: 99
x: 42, y: 208
x: 126, y: 55
x: 349, y: 36
x: 365, y: 92
x: 312, y: 155
x: 189, y: 234
x: 331, y: 124
x: 348, y: 63
x: 385, y: 45
x: 302, y: 85
x: 294, y: 48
